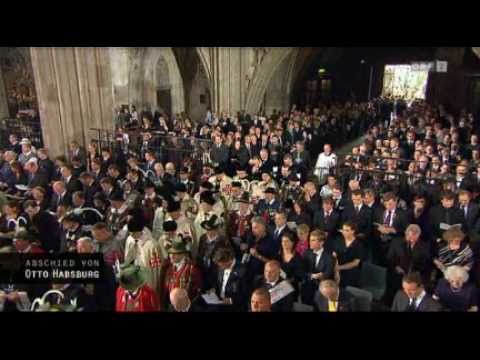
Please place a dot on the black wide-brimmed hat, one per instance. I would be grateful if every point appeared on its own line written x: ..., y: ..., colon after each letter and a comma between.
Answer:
x: 211, y: 224
x: 170, y: 225
x: 207, y: 185
x: 244, y: 198
x: 270, y: 190
x: 72, y: 217
x: 180, y: 187
x: 207, y: 197
x: 137, y: 222
x: 117, y: 196
x: 173, y: 206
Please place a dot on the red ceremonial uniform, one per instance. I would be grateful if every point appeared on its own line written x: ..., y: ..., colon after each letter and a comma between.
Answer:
x: 143, y: 300
x: 239, y: 224
x: 187, y: 277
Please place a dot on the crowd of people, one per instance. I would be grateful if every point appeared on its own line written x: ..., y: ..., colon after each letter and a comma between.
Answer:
x: 266, y: 218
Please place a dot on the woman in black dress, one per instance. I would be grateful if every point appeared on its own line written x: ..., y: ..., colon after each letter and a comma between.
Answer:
x: 349, y: 253
x: 291, y: 261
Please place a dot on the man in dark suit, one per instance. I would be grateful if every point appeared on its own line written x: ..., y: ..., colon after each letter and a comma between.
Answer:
x: 319, y: 265
x: 45, y: 163
x: 72, y: 184
x: 219, y: 152
x: 90, y: 187
x: 78, y: 151
x: 60, y: 196
x: 327, y: 219
x: 445, y: 213
x: 37, y: 176
x: 45, y: 225
x: 301, y: 157
x: 280, y: 227
x: 418, y: 214
x: 330, y: 298
x: 360, y: 214
x: 413, y: 297
x: 267, y: 163
x: 389, y: 224
x: 269, y: 280
x: 408, y: 254
x: 463, y: 180
x: 231, y: 285
x: 469, y: 209
x: 370, y: 200
x: 312, y: 198
x: 409, y: 145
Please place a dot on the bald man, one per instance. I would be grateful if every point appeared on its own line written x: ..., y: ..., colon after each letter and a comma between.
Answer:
x: 181, y: 302
x: 270, y: 280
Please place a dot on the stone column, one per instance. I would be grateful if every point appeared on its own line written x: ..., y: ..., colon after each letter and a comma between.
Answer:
x: 228, y: 72
x: 74, y: 90
x: 4, y: 113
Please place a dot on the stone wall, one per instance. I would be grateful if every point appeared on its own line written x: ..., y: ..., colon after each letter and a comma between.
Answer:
x: 74, y: 89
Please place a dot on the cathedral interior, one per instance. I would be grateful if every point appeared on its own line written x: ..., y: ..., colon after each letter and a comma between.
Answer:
x: 74, y: 89
x: 224, y: 179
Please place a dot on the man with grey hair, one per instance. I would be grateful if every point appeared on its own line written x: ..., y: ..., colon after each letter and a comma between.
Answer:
x: 86, y: 245
x: 258, y: 248
x: 100, y: 296
x: 37, y: 176
x: 408, y: 254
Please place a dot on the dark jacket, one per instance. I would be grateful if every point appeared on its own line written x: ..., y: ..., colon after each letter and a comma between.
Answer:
x: 346, y: 302
x: 236, y: 287
x: 401, y: 302
x: 330, y: 225
x: 326, y: 265
x: 40, y: 178
x: 363, y: 219
x: 282, y: 305
x: 439, y: 214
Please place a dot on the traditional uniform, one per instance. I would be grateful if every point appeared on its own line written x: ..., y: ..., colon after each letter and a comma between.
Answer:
x: 184, y: 275
x: 145, y: 252
x: 134, y: 294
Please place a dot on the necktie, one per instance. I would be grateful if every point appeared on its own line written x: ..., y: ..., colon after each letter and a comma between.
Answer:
x: 357, y: 210
x: 388, y: 219
x: 447, y: 216
x: 412, y: 305
x: 465, y: 211
x: 317, y: 259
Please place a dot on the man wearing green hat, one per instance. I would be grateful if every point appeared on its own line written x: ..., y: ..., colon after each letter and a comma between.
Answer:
x: 134, y: 294
x: 179, y: 272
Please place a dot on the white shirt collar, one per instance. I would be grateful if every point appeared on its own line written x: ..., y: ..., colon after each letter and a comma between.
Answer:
x: 420, y: 298
x: 179, y: 265
x: 229, y: 270
x: 318, y: 252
